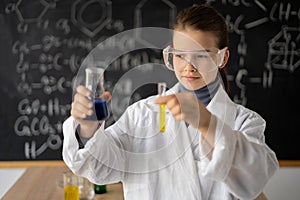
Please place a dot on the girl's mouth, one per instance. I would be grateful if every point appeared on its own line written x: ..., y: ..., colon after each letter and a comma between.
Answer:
x: 190, y: 78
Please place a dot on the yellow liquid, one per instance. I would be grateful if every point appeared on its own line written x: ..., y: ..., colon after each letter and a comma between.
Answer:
x: 71, y: 192
x: 162, y: 118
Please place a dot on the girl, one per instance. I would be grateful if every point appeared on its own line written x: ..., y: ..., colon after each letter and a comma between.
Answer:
x: 212, y: 148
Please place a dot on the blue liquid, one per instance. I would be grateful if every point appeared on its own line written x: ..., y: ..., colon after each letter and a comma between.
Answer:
x: 100, y: 111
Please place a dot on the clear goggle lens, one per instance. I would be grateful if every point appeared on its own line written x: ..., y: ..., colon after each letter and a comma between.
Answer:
x: 205, y: 60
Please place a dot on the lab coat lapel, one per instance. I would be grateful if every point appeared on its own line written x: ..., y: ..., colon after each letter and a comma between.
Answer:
x: 222, y: 107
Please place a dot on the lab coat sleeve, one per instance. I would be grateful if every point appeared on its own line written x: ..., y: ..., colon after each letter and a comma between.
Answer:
x: 240, y: 158
x: 100, y: 159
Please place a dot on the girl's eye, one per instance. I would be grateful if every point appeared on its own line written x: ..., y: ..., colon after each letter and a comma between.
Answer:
x: 201, y: 56
x: 179, y: 56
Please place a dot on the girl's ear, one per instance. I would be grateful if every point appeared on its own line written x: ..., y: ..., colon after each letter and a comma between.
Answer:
x: 225, y: 59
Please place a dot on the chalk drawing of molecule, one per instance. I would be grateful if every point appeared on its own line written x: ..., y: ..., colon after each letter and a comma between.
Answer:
x: 30, y: 13
x: 283, y: 53
x: 91, y: 24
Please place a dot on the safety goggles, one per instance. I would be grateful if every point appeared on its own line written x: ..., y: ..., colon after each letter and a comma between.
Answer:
x: 205, y: 60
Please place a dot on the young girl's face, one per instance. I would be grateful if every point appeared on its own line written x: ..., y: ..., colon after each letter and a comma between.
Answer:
x: 193, y: 68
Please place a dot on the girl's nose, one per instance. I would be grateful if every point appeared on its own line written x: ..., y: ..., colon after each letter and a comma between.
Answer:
x: 190, y: 67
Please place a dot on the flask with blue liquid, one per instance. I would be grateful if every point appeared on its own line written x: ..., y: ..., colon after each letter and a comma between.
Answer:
x: 94, y: 81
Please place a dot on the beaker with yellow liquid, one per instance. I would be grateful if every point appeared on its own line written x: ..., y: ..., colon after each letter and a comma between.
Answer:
x: 71, y: 190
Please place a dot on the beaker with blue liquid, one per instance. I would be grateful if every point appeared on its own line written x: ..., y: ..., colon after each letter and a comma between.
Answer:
x: 94, y: 81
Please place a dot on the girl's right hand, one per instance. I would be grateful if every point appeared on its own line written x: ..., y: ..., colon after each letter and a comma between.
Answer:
x: 82, y: 107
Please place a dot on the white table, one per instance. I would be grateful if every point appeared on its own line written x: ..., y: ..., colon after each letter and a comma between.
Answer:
x: 8, y: 178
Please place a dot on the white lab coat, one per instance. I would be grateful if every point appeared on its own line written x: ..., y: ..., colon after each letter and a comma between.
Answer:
x: 175, y: 164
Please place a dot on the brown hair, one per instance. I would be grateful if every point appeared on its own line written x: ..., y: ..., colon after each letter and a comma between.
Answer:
x: 206, y: 18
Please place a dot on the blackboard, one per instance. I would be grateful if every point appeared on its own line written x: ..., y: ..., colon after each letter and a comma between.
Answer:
x: 44, y: 42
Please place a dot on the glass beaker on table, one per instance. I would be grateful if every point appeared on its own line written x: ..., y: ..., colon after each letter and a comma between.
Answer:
x: 70, y: 183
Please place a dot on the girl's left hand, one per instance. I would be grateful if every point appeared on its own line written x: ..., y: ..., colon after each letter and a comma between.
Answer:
x: 187, y: 107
